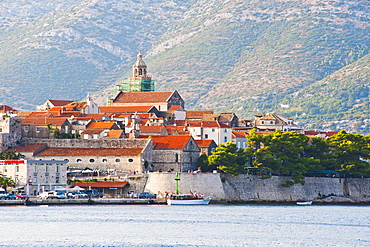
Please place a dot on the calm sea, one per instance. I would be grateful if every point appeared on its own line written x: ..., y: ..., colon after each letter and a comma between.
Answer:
x: 161, y: 225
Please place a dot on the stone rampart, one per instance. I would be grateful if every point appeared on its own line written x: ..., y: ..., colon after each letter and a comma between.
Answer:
x: 250, y: 188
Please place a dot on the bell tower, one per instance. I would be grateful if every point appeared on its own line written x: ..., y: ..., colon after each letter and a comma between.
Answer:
x: 140, y: 81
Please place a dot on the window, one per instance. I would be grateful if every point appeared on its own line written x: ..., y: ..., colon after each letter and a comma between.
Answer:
x: 271, y: 122
x: 91, y: 160
x: 225, y: 139
x: 225, y: 130
x: 78, y: 160
x: 213, y: 130
x: 176, y: 158
x: 58, y: 169
x: 206, y: 136
x: 35, y: 168
x: 130, y: 160
x: 17, y: 168
x: 1, y: 129
x: 34, y: 180
x: 57, y: 180
x: 263, y: 122
x: 117, y: 160
x: 26, y: 128
x: 104, y: 160
x: 37, y: 129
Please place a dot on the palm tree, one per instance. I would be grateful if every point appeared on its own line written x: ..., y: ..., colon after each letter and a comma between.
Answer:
x: 6, y: 182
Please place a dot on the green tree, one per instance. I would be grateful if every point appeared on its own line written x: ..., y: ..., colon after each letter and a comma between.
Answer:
x: 350, y: 152
x: 6, y: 182
x: 229, y: 159
x: 284, y: 153
x: 10, y: 155
x: 204, y: 164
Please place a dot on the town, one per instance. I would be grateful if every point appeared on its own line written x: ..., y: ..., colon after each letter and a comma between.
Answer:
x: 107, y: 149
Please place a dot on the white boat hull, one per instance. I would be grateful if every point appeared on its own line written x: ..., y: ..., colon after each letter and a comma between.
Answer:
x: 188, y: 202
x: 304, y: 203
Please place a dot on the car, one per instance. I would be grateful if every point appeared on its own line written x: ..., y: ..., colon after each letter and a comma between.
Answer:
x: 3, y: 193
x: 145, y: 195
x: 94, y: 193
x: 22, y: 196
x: 77, y: 195
x: 10, y: 197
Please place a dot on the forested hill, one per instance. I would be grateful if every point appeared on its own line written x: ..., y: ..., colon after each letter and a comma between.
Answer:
x: 306, y: 59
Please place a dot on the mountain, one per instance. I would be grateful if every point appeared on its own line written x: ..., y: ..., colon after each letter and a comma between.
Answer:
x: 307, y: 59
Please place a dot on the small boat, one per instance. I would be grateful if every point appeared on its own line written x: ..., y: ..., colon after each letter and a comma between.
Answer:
x: 187, y: 199
x: 304, y: 203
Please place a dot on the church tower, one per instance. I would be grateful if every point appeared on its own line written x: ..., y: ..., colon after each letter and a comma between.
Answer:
x: 140, y: 81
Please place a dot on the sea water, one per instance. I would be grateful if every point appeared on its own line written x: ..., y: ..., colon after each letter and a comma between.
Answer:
x: 162, y: 225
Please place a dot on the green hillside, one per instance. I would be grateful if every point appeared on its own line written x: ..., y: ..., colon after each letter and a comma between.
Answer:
x: 311, y: 57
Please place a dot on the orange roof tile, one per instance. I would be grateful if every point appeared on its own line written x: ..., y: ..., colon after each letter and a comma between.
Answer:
x: 142, y: 97
x: 100, y: 125
x: 124, y: 109
x: 114, y: 133
x: 44, y: 121
x: 174, y: 107
x: 238, y: 134
x: 204, y: 142
x: 31, y: 147
x: 63, y: 151
x: 170, y: 142
x: 151, y: 129
x: 197, y: 114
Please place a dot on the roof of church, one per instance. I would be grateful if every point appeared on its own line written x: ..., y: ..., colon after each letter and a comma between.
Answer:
x: 60, y: 102
x: 142, y: 97
x: 124, y: 109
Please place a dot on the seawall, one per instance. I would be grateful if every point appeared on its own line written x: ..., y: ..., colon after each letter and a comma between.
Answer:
x: 251, y: 188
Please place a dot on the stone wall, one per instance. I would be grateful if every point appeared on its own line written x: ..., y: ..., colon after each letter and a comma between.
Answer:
x: 106, y: 143
x: 250, y: 188
x: 10, y: 132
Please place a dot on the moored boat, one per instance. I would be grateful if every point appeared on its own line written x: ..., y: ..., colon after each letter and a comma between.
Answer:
x: 304, y: 203
x: 187, y: 199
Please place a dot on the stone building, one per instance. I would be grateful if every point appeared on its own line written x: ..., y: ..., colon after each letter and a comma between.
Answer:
x: 273, y: 121
x: 206, y: 146
x: 35, y: 176
x: 123, y: 155
x: 10, y: 131
x: 178, y: 153
x: 45, y: 127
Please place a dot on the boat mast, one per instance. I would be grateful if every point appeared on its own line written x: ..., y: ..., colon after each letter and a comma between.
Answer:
x: 177, y: 178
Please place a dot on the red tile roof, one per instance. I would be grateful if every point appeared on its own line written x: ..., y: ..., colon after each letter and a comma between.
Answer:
x: 197, y: 114
x: 142, y: 97
x: 151, y: 129
x: 63, y: 151
x: 170, y: 142
x: 44, y: 121
x: 238, y: 134
x: 32, y: 147
x: 100, y: 125
x: 204, y: 143
x: 5, y: 109
x: 114, y: 134
x: 174, y: 107
x: 100, y: 184
x: 210, y: 124
x: 124, y: 109
x: 60, y: 102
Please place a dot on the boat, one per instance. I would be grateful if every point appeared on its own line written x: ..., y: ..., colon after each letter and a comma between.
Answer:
x: 187, y: 199
x: 304, y: 203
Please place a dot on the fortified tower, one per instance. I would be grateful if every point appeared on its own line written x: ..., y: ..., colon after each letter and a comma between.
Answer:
x: 140, y: 81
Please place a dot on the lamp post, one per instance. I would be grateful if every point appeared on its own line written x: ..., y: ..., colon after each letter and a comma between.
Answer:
x: 177, y: 178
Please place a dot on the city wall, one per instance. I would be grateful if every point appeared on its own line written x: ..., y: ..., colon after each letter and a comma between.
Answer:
x: 250, y: 188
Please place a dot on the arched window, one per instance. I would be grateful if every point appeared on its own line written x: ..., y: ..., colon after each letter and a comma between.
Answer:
x: 130, y: 160
x: 78, y: 160
x: 104, y: 160
x: 118, y: 160
x: 140, y: 72
x: 92, y: 160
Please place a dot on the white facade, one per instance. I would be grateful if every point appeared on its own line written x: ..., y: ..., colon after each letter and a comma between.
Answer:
x: 220, y: 135
x: 35, y: 176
